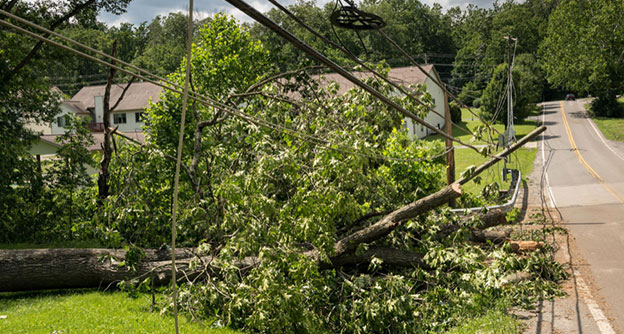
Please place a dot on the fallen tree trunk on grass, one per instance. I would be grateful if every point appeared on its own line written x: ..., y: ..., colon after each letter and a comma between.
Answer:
x: 35, y: 269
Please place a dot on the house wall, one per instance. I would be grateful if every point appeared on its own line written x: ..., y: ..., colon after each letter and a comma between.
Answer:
x: 54, y: 126
x: 418, y: 131
x: 44, y: 129
x: 131, y: 125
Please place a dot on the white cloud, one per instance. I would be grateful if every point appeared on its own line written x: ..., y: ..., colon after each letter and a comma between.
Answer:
x: 146, y: 10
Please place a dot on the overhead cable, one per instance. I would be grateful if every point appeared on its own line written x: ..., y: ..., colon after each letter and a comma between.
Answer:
x: 358, y: 60
x: 435, y: 80
x: 217, y: 105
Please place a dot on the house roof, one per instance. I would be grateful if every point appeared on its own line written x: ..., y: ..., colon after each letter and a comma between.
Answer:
x: 77, y: 107
x: 137, y: 96
x: 98, y: 139
x: 399, y: 75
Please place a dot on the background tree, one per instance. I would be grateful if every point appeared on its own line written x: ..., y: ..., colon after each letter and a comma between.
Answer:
x: 584, y: 50
x: 68, y: 173
x: 527, y: 83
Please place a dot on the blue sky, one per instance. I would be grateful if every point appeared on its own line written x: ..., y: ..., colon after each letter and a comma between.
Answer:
x: 146, y: 10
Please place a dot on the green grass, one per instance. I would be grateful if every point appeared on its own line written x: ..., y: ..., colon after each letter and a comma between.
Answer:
x: 468, y: 116
x: 522, y: 129
x: 612, y: 128
x: 464, y: 157
x: 87, y: 312
x: 493, y: 322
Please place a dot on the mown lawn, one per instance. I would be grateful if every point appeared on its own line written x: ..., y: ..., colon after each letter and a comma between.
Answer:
x: 521, y: 159
x: 493, y: 322
x: 87, y: 312
x: 612, y: 128
x: 522, y: 129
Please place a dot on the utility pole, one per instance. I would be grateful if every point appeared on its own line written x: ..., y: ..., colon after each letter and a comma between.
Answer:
x: 450, y: 152
x: 509, y: 126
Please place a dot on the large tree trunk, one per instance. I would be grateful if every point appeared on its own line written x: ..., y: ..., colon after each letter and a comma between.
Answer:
x: 35, y: 269
x: 107, y: 150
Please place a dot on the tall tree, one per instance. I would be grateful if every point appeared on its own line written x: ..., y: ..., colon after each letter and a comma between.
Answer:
x: 584, y: 50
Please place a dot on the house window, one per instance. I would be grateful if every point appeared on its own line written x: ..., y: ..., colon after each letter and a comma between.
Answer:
x: 138, y: 117
x: 119, y: 118
x: 61, y: 121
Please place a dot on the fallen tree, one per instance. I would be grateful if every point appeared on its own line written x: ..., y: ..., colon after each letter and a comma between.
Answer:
x: 37, y: 269
x: 65, y: 268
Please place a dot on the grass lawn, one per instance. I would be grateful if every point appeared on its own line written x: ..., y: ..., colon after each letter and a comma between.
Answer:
x: 492, y: 323
x: 612, y: 128
x: 522, y: 159
x: 470, y: 122
x: 87, y: 312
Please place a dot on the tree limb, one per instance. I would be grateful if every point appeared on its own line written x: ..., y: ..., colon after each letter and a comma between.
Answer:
x: 389, y: 256
x: 395, y: 218
x: 39, y: 44
x: 490, y: 219
x: 123, y: 93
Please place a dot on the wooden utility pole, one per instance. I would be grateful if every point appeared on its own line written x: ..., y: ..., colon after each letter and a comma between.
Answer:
x: 450, y: 154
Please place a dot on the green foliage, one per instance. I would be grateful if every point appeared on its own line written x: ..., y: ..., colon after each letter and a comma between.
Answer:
x: 479, y: 34
x: 527, y: 90
x: 477, y: 103
x: 139, y: 208
x: 606, y: 105
x: 51, y: 206
x: 583, y: 47
x: 165, y: 40
x: 416, y: 27
x: 456, y: 112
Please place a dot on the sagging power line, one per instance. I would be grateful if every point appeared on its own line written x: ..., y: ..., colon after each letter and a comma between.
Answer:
x: 166, y: 84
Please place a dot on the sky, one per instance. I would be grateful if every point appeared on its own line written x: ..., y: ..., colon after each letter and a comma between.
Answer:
x: 146, y: 10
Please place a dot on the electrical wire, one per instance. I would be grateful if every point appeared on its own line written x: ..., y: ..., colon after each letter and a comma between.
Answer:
x: 209, y: 102
x: 344, y: 50
x: 437, y: 82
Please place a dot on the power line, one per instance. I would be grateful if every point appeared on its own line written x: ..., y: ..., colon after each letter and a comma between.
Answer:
x: 437, y: 82
x: 301, y: 45
x: 200, y: 98
x: 343, y: 49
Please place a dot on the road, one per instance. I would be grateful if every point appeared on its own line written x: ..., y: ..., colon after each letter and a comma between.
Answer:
x: 585, y: 180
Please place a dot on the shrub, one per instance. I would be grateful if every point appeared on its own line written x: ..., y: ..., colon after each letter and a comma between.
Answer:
x: 456, y: 114
x: 476, y: 103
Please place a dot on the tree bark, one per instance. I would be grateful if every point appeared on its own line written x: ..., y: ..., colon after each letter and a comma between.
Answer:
x: 391, y: 221
x: 490, y: 219
x: 107, y: 151
x: 389, y: 256
x: 35, y: 269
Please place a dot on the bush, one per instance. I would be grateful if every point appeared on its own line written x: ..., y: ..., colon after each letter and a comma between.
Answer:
x: 476, y: 103
x: 606, y: 106
x: 456, y: 114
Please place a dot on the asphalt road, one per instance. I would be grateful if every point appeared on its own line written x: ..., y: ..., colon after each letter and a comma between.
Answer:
x: 585, y: 179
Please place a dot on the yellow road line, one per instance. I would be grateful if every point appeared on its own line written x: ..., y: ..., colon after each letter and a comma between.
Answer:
x: 591, y: 171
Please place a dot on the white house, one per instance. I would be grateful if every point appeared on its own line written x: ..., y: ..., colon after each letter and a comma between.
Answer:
x: 89, y: 103
x: 128, y: 115
x: 404, y: 76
